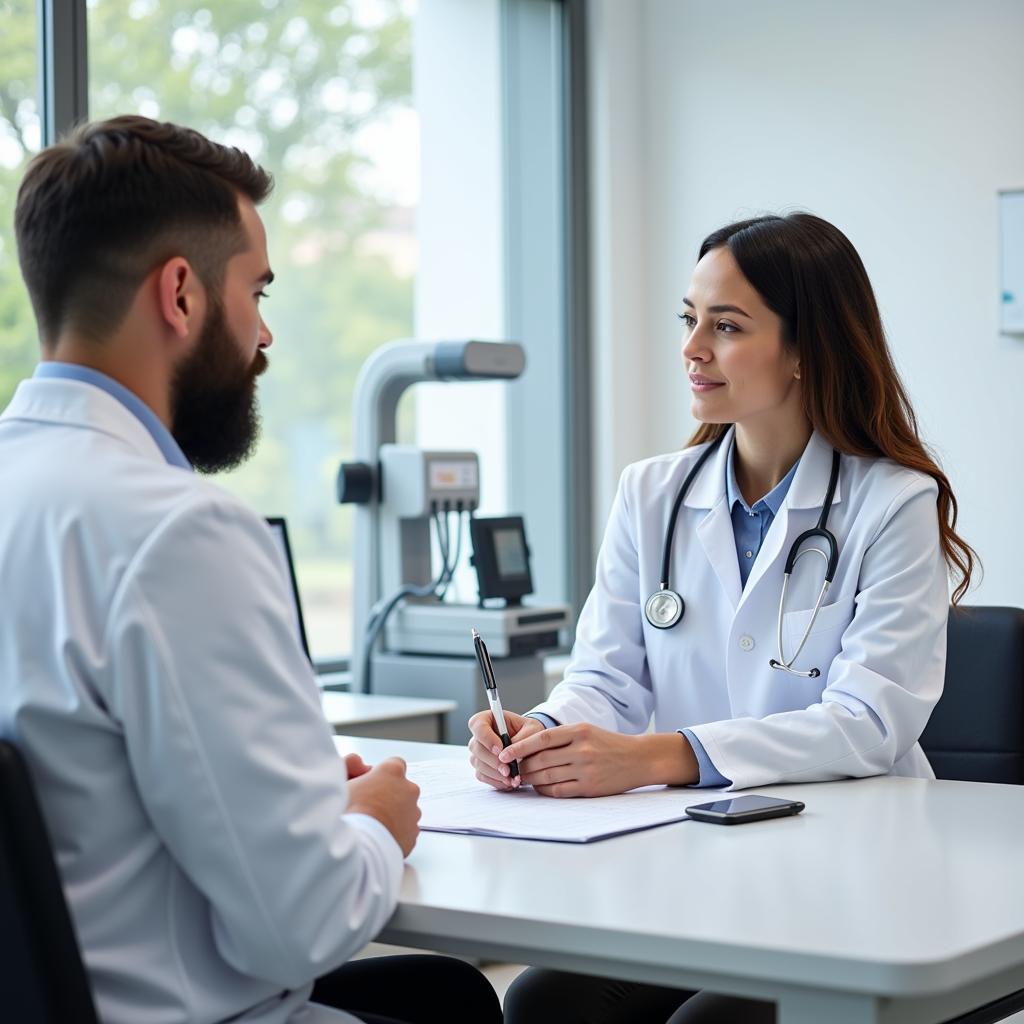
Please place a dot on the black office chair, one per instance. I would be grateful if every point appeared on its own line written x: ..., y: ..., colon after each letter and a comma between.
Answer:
x: 976, y: 732
x: 42, y: 979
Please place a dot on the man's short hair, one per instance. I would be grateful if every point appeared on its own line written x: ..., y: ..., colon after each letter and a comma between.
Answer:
x: 97, y: 212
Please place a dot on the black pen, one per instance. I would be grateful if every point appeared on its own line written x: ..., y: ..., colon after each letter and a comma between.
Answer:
x: 487, y: 671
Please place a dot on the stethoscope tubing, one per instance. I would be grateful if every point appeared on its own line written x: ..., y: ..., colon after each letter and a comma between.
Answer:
x: 666, y: 557
x: 821, y: 531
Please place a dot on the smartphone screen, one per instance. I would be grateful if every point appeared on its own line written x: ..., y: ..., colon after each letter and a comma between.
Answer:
x: 735, y: 810
x: 741, y: 804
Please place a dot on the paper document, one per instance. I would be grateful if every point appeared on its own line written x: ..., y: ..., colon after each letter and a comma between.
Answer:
x: 452, y: 800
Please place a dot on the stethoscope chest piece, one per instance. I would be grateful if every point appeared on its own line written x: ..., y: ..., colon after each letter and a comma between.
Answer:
x: 664, y: 608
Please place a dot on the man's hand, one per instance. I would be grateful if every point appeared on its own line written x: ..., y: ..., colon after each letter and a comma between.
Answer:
x: 383, y: 792
x: 355, y: 766
x: 584, y: 760
x: 485, y: 745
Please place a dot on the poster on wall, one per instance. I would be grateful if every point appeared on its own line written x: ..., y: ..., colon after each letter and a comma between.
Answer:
x: 1011, y: 243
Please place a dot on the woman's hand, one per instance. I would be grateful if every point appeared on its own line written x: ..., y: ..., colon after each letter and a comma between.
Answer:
x: 485, y: 745
x: 584, y: 760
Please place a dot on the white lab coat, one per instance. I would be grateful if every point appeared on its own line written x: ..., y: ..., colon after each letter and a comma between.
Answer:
x: 150, y: 672
x: 879, y: 641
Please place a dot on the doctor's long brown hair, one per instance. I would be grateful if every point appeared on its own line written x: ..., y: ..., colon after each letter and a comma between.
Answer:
x: 809, y: 273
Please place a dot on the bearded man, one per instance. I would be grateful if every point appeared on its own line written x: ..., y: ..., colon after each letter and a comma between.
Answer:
x: 217, y: 855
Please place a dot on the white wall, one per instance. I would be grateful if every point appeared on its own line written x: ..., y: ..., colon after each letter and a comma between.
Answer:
x: 898, y: 121
x: 619, y: 248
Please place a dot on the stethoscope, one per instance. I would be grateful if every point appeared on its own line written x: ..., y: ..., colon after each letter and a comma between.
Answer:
x: 665, y: 607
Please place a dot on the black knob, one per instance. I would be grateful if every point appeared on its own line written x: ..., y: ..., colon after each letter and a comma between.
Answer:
x: 356, y: 482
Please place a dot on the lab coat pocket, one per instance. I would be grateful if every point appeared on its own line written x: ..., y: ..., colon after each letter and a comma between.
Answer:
x: 832, y: 619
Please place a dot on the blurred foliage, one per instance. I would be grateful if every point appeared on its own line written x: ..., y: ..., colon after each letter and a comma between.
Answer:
x: 294, y: 83
x: 19, y: 138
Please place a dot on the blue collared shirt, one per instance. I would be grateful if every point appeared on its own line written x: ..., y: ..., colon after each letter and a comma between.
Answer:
x: 131, y: 401
x: 750, y: 526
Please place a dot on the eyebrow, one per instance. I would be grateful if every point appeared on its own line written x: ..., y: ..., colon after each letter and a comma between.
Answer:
x: 720, y: 309
x: 267, y: 277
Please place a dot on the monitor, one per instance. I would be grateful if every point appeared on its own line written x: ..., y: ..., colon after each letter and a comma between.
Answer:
x: 501, y: 557
x: 279, y: 529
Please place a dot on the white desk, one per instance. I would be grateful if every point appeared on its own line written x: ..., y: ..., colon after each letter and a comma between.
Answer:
x: 383, y: 716
x: 887, y: 900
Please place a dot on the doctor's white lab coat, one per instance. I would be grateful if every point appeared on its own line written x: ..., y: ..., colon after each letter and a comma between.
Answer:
x: 150, y: 672
x: 879, y: 640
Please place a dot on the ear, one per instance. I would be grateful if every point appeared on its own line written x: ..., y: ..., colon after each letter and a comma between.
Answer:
x: 181, y: 296
x: 796, y: 371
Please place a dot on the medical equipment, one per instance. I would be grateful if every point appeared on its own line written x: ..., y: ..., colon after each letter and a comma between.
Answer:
x: 403, y: 495
x: 419, y: 490
x: 665, y: 607
x: 501, y: 558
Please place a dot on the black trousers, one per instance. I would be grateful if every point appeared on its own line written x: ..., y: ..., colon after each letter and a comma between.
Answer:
x: 541, y: 996
x: 410, y: 990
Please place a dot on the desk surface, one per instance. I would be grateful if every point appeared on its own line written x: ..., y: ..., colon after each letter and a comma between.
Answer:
x: 893, y: 887
x: 348, y: 708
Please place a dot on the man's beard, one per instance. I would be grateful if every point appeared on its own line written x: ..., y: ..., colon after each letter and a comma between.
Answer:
x: 215, y: 419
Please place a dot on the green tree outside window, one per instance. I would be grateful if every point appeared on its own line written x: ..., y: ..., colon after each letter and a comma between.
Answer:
x: 296, y: 83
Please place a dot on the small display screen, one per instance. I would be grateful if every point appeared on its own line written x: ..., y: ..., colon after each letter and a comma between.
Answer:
x: 502, y: 558
x: 453, y: 475
x: 510, y: 552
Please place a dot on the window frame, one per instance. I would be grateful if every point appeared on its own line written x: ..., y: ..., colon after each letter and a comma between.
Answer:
x: 63, y: 66
x: 547, y: 290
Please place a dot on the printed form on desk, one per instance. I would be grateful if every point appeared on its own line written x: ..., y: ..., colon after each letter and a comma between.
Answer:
x: 452, y: 800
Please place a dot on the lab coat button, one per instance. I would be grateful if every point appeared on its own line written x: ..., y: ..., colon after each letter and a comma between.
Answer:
x: 746, y: 643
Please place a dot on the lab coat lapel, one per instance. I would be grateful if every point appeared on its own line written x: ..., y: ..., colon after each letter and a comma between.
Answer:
x: 773, y: 546
x: 715, y: 530
x: 804, y: 500
x: 716, y: 536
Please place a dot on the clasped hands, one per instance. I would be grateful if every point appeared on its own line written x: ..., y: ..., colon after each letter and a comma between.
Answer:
x: 577, y: 760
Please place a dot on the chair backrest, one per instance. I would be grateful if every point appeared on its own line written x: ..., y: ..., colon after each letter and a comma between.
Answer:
x: 976, y: 732
x: 42, y: 978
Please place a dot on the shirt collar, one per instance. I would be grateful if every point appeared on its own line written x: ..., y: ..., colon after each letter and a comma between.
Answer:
x: 131, y: 401
x: 772, y: 500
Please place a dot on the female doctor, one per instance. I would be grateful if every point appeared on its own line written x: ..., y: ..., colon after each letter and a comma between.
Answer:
x: 765, y: 653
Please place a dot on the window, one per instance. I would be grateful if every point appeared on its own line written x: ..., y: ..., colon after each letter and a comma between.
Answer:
x: 420, y: 152
x: 19, y: 139
x: 321, y: 95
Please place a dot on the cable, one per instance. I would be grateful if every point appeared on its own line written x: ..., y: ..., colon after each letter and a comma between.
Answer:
x: 380, y: 612
x: 458, y: 552
x: 444, y: 541
x: 449, y: 570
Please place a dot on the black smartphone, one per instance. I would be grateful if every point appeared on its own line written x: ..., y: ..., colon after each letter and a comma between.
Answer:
x: 741, y: 809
